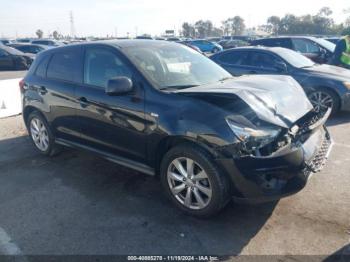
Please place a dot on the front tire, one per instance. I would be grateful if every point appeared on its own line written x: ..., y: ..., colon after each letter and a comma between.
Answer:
x: 193, y: 181
x: 41, y: 135
x: 322, y: 99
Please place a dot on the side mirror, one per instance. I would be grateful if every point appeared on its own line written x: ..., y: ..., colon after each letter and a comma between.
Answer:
x: 119, y: 86
x: 281, y: 67
x: 323, y: 53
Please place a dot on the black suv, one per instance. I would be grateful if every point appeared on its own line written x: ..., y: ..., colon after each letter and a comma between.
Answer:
x: 165, y: 110
x: 317, y: 49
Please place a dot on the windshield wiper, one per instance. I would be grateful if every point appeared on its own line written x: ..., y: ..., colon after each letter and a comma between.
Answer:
x: 178, y: 87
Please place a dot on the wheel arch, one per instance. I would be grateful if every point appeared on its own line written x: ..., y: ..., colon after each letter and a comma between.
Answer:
x: 330, y: 89
x: 170, y: 142
x: 28, y: 110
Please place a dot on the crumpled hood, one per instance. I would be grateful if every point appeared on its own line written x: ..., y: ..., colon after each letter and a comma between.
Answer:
x: 276, y: 99
x: 329, y: 71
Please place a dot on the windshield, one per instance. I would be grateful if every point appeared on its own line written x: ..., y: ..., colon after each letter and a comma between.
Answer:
x: 326, y: 44
x: 175, y: 66
x: 294, y: 58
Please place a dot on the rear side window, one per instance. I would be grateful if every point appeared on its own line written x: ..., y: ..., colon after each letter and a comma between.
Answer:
x: 101, y: 65
x: 263, y: 60
x: 233, y: 58
x: 41, y: 69
x: 64, y: 65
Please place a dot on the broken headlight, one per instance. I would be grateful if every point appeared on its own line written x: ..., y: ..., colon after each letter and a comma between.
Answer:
x: 254, y: 137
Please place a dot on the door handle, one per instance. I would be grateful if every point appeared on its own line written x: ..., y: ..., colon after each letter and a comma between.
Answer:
x: 83, y: 102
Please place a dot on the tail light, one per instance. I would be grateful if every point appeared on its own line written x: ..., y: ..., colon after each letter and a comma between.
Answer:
x: 21, y: 85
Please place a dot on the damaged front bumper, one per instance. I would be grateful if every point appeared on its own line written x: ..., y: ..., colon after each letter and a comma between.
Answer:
x: 267, y: 178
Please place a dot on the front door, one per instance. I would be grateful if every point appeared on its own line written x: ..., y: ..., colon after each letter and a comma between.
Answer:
x: 113, y: 124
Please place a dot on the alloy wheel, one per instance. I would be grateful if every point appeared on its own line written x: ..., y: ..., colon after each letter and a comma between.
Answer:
x: 321, y: 100
x: 39, y: 134
x: 189, y: 183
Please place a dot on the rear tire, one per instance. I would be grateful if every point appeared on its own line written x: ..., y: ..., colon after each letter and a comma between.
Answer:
x: 41, y: 134
x: 193, y: 182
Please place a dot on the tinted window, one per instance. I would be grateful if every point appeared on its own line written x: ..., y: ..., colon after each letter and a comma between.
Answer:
x: 24, y: 49
x: 29, y: 49
x: 262, y: 60
x: 42, y: 42
x: 233, y: 58
x: 41, y: 69
x: 102, y: 65
x: 63, y: 65
x: 305, y: 46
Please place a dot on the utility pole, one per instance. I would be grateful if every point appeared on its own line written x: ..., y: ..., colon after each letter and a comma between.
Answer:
x: 72, y: 27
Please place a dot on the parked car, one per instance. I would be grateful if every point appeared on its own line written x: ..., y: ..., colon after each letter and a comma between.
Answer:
x: 24, y: 40
x: 227, y: 44
x: 317, y: 49
x: 326, y: 86
x: 214, y: 39
x: 174, y: 39
x: 47, y: 42
x: 144, y: 37
x: 29, y: 48
x: 205, y: 46
x: 11, y: 58
x: 244, y: 38
x: 4, y: 41
x: 162, y: 109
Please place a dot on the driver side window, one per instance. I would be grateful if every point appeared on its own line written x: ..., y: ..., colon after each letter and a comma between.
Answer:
x: 101, y: 65
x: 305, y: 46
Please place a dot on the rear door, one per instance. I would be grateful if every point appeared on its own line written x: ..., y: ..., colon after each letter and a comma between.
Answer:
x: 57, y: 88
x: 113, y: 124
x: 263, y: 63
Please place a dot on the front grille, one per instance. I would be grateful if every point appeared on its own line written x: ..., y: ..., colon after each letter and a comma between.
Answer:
x: 319, y: 160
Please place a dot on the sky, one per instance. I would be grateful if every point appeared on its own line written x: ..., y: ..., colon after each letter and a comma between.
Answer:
x: 118, y: 17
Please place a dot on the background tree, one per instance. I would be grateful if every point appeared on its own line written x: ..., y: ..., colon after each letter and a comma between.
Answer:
x: 203, y: 28
x: 55, y: 35
x: 325, y: 11
x: 234, y: 26
x: 39, y: 33
x: 238, y: 25
x: 188, y: 30
x: 274, y: 23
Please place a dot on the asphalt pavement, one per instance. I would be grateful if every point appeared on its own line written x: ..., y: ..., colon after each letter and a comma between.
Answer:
x: 77, y: 203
